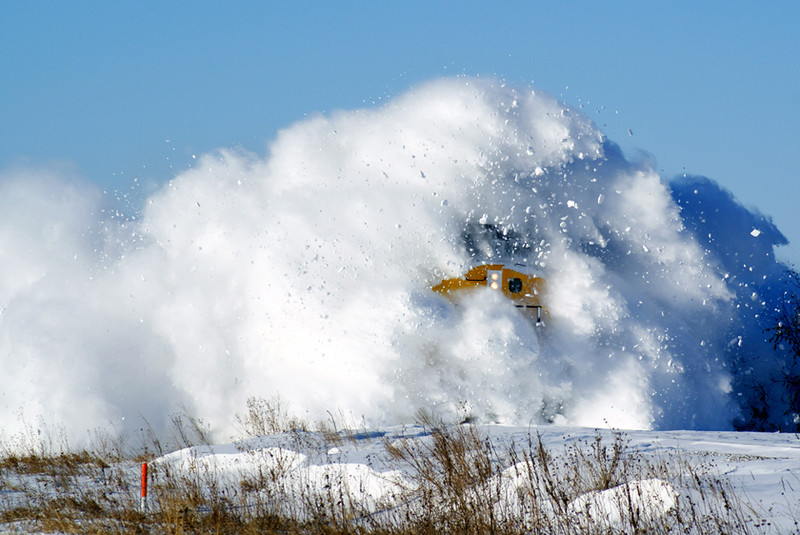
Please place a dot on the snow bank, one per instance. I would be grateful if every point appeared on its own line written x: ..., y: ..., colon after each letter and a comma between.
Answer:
x: 649, y: 500
x: 305, y: 274
x: 665, y: 478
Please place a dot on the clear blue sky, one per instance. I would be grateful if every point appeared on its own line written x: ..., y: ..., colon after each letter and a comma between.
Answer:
x: 130, y: 90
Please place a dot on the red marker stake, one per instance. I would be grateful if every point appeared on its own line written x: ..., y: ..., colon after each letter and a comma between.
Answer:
x: 143, y: 502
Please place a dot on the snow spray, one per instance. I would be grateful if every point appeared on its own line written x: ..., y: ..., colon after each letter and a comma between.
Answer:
x: 305, y: 275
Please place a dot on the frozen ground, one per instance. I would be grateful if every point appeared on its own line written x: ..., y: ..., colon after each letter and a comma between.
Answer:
x: 756, y: 474
x: 763, y: 469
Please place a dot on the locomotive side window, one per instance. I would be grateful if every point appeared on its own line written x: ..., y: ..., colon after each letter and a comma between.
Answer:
x: 515, y: 285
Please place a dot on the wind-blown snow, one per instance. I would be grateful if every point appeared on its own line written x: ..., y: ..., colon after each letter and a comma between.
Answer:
x: 306, y: 274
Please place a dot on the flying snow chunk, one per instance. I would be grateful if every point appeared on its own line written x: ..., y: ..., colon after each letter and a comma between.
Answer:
x: 755, y: 233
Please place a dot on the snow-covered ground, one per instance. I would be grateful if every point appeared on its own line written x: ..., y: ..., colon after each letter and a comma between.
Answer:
x: 736, y: 481
x: 762, y: 469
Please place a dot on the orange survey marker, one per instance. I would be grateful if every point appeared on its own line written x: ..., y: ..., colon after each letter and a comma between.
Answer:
x: 143, y: 502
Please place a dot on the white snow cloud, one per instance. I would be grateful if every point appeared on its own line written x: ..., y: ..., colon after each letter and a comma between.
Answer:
x: 306, y: 274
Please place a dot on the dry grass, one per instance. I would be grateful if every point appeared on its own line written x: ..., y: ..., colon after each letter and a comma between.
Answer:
x: 467, y: 484
x: 462, y: 481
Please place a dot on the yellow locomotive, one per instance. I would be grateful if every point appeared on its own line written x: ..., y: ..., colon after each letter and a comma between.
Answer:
x: 523, y: 290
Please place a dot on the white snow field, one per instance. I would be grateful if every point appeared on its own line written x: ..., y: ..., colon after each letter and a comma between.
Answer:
x: 587, y: 481
x: 761, y: 469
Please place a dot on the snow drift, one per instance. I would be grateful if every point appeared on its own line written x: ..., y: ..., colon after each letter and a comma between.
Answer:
x: 305, y: 274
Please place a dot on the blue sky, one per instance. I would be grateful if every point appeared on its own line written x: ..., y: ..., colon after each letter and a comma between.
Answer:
x: 120, y: 91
